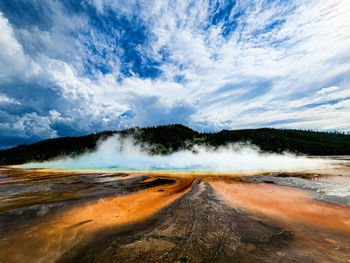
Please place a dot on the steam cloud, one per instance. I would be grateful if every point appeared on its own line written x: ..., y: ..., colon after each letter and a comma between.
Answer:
x: 125, y: 154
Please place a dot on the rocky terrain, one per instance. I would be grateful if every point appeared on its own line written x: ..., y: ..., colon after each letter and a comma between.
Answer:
x: 138, y: 217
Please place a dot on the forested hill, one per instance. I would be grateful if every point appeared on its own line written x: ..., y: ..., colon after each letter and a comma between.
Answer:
x: 170, y: 138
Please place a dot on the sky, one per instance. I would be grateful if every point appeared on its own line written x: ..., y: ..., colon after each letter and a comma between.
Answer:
x: 69, y: 68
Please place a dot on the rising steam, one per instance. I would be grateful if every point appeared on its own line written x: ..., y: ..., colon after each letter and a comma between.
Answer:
x: 126, y: 154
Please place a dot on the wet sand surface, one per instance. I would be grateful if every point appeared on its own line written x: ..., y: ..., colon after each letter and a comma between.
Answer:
x: 149, y: 217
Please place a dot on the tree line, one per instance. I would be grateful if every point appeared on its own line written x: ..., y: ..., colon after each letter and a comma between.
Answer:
x: 166, y: 139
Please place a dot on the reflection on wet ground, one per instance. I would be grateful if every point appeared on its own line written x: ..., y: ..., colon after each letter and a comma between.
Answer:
x: 338, y: 179
x: 50, y: 216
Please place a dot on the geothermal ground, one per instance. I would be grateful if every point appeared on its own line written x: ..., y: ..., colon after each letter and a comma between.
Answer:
x: 108, y: 216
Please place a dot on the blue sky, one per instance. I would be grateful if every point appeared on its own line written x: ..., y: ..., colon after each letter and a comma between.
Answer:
x: 74, y: 67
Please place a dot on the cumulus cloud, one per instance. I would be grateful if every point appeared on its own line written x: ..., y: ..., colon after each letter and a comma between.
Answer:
x: 82, y: 67
x: 13, y: 60
x: 5, y: 99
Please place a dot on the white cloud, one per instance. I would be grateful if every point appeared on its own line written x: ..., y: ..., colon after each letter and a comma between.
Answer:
x: 327, y: 90
x: 33, y: 124
x: 13, y: 61
x: 302, y: 61
x: 6, y: 99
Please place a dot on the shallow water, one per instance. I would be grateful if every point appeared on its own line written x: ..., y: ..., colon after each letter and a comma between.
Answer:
x: 59, y: 216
